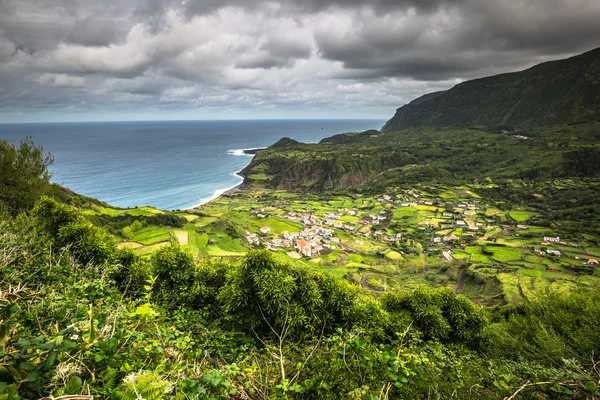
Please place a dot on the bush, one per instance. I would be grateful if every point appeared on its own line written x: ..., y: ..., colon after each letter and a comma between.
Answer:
x: 67, y: 229
x: 87, y: 242
x: 262, y: 294
x: 209, y: 279
x: 554, y: 327
x: 130, y: 273
x: 438, y: 314
x: 174, y: 270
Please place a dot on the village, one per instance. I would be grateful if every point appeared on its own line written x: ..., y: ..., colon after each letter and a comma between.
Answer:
x: 389, y: 241
x: 454, y: 226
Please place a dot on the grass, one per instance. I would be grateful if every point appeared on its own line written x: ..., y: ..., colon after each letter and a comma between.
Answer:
x: 258, y: 177
x: 279, y: 225
x: 521, y: 216
x: 502, y: 254
x: 151, y: 234
x: 130, y: 245
x: 405, y: 212
x: 148, y: 250
x: 449, y: 194
x: 477, y: 254
x: 394, y: 255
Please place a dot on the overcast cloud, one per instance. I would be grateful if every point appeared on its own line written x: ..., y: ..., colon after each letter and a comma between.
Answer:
x: 164, y: 59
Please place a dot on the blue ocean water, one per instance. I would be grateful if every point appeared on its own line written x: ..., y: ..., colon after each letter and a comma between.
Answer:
x: 167, y: 164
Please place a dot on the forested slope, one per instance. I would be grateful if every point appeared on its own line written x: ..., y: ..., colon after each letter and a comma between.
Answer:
x: 556, y: 92
x: 428, y: 154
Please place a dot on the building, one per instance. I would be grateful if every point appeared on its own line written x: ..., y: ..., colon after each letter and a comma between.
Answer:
x: 265, y: 229
x: 304, y: 248
x: 550, y: 239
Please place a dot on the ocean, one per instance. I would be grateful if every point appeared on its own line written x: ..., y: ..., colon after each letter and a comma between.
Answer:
x: 166, y: 164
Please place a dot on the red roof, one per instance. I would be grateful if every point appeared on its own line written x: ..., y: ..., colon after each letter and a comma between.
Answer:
x: 301, y: 243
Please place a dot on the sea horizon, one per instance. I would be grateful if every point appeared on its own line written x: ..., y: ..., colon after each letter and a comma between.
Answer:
x: 189, y: 120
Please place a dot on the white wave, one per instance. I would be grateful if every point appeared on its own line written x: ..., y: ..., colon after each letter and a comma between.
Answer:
x: 241, y: 152
x: 217, y: 193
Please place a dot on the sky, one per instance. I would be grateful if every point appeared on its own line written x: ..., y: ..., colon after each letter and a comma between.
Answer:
x: 94, y: 60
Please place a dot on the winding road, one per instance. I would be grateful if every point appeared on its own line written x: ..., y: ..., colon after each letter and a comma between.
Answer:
x: 365, y: 284
x: 461, y: 280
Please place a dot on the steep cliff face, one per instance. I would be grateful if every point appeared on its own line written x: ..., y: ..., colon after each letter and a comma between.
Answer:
x: 564, y: 91
x: 314, y: 177
x: 322, y: 166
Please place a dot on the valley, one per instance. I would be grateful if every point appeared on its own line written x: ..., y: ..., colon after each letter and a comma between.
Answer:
x: 425, y: 235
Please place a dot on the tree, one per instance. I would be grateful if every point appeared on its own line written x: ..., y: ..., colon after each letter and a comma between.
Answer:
x: 127, y: 232
x: 418, y: 248
x: 174, y: 270
x: 24, y: 175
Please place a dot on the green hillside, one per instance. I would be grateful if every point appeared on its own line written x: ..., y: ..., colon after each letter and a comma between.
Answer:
x: 186, y: 308
x: 428, y: 154
x: 556, y: 92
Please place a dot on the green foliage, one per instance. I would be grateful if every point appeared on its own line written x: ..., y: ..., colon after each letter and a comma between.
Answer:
x: 174, y: 327
x: 130, y: 273
x: 210, y: 277
x: 413, y: 156
x: 174, y: 270
x: 269, y: 297
x: 88, y: 242
x: 52, y: 215
x: 439, y: 314
x: 24, y: 175
x: 582, y: 162
x: 145, y: 385
x: 70, y: 230
x: 116, y: 224
x: 554, y: 327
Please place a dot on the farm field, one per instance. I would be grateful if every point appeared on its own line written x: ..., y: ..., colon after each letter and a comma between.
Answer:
x: 403, y: 238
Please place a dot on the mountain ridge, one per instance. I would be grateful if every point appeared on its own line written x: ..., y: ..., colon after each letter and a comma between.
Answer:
x: 553, y: 92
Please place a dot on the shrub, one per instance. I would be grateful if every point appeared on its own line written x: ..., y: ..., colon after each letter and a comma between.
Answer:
x: 24, y: 175
x: 174, y: 270
x: 438, y: 314
x: 130, y: 273
x: 66, y: 228
x: 262, y: 295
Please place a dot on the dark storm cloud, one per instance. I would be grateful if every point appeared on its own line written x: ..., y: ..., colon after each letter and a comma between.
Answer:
x: 280, y: 54
x: 92, y: 31
x: 277, y: 52
x: 199, y: 7
x: 461, y: 41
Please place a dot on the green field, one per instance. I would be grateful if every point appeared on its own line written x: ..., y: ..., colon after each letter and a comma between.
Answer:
x: 217, y: 229
x: 521, y: 216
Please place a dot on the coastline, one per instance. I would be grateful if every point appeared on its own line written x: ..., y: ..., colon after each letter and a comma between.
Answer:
x: 219, y: 192
x: 250, y: 152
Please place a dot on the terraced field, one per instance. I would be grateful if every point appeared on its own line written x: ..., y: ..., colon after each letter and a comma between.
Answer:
x: 400, y: 239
